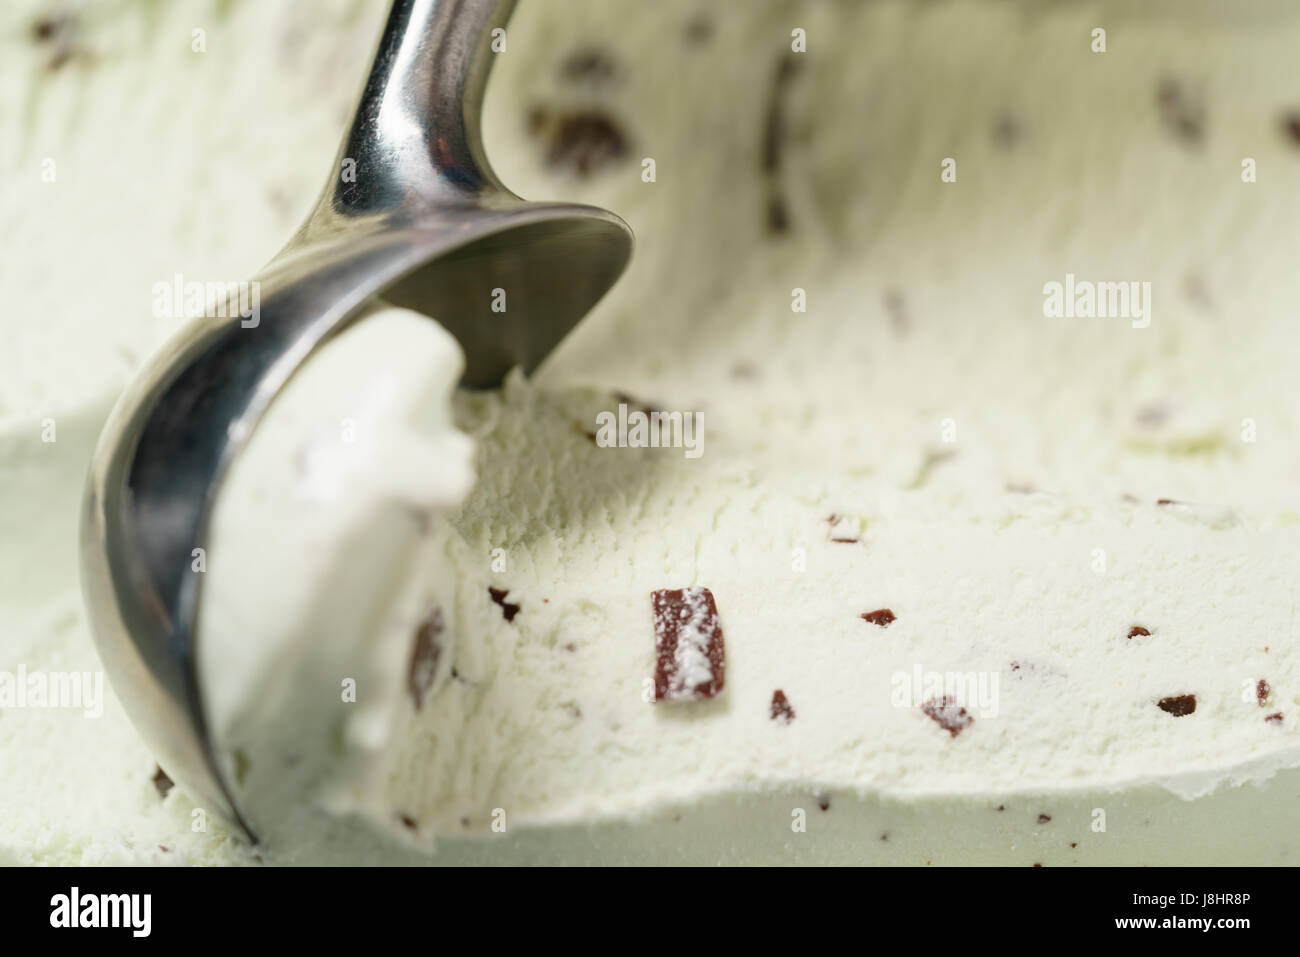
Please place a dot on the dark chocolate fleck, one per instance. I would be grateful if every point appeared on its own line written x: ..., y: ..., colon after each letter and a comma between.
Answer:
x: 589, y: 63
x: 634, y: 403
x: 585, y: 141
x: 896, y: 306
x: 1038, y: 865
x: 1182, y: 113
x: 1291, y: 127
x: 1006, y: 131
x: 508, y: 609
x: 1178, y: 705
x: 1002, y: 807
x: 1044, y: 819
x: 1167, y: 501
x: 1275, y: 718
x: 690, y: 656
x: 698, y: 29
x: 1137, y: 631
x: 844, y: 541
x: 408, y: 822
x: 881, y: 616
x: 773, y: 146
x: 1262, y: 691
x: 824, y: 802
x: 161, y: 781
x: 1074, y: 843
x: 949, y: 715
x: 782, y: 710
x: 425, y: 655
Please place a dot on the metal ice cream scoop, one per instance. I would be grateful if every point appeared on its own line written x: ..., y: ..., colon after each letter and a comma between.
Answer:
x: 413, y: 212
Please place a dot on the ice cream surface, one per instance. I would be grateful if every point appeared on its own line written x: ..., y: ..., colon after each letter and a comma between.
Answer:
x: 990, y: 584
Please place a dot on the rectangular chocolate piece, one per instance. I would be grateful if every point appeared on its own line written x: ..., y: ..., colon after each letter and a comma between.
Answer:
x: 690, y: 662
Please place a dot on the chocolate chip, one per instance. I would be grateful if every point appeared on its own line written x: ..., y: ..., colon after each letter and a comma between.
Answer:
x: 782, y: 710
x: 773, y: 145
x: 508, y: 609
x: 161, y: 781
x: 1275, y: 718
x: 1179, y: 705
x: 896, y: 307
x: 634, y: 403
x: 1136, y: 631
x: 408, y: 822
x: 1167, y: 501
x: 824, y: 802
x: 1262, y: 691
x: 1291, y: 127
x: 881, y: 616
x: 536, y: 119
x: 948, y: 714
x: 1074, y: 844
x: 1002, y: 807
x: 698, y: 29
x: 690, y: 660
x: 1006, y: 131
x: 845, y: 541
x: 1044, y: 819
x: 1182, y: 113
x: 425, y: 655
x: 833, y: 519
x: 1038, y: 865
x: 585, y: 141
x: 47, y: 28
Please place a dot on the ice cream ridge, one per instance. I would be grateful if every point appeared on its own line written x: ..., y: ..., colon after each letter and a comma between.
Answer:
x: 955, y: 576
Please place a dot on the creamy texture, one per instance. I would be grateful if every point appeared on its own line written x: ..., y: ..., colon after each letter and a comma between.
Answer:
x: 996, y: 470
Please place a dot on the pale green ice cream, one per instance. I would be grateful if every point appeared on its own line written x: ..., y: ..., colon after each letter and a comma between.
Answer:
x: 923, y: 439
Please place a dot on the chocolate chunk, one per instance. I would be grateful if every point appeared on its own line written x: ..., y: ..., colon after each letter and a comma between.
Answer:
x: 1182, y: 113
x: 1044, y: 819
x: 782, y: 710
x: 1167, y: 501
x: 425, y: 655
x: 509, y: 609
x: 1262, y: 691
x: 824, y: 802
x: 589, y: 63
x: 408, y: 822
x: 1275, y: 718
x: 161, y: 781
x: 689, y: 654
x: 845, y: 541
x: 881, y: 616
x: 585, y: 141
x: 948, y: 714
x: 1179, y: 705
x: 1136, y: 631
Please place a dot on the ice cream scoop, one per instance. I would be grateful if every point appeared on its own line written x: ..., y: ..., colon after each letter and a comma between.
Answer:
x: 412, y: 211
